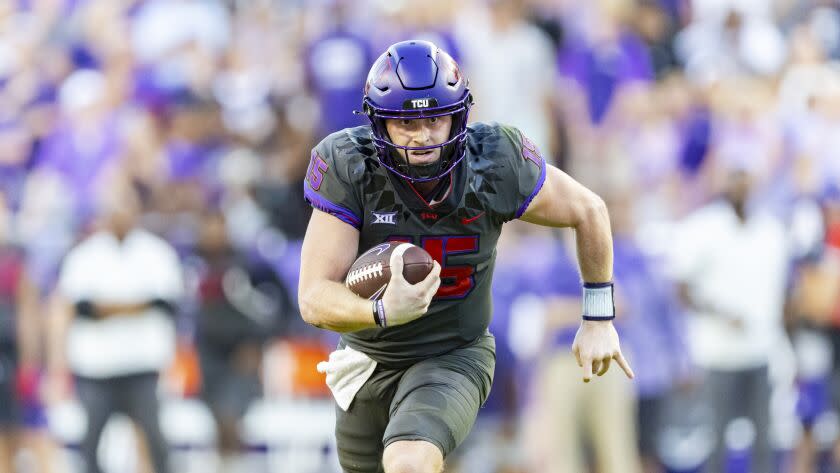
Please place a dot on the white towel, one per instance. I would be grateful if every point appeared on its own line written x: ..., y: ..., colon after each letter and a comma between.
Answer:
x: 347, y: 371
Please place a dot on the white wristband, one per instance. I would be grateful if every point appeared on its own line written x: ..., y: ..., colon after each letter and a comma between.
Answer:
x: 598, y: 303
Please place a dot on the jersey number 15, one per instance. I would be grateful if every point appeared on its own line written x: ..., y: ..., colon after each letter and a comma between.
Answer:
x: 457, y: 281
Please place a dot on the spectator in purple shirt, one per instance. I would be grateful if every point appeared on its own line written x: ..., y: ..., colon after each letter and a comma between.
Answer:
x: 431, y: 23
x: 336, y: 64
x: 87, y: 138
x: 603, y: 60
x: 16, y: 143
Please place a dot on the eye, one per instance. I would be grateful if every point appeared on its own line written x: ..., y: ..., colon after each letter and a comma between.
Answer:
x: 405, y: 122
x: 433, y: 120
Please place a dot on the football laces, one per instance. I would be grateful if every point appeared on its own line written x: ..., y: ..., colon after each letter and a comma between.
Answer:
x: 364, y: 273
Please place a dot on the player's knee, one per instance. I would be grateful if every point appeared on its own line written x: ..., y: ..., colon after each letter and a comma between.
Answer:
x: 412, y: 457
x: 411, y: 465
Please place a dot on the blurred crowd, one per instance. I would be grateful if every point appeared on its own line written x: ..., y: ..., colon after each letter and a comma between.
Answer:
x: 710, y: 127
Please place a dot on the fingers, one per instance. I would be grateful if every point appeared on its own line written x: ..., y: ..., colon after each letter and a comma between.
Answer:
x: 432, y: 281
x: 431, y: 284
x: 433, y: 290
x: 605, y: 366
x: 600, y: 367
x: 397, y: 262
x: 619, y: 358
x: 587, y: 370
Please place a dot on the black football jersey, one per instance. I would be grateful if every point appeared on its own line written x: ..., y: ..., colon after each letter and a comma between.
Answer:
x: 494, y: 183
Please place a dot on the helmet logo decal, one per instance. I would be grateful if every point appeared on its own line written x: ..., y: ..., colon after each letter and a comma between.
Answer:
x: 382, y: 67
x: 454, y: 73
x: 416, y: 80
x: 413, y: 104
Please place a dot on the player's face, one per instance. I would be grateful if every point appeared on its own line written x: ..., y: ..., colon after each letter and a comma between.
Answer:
x: 420, y: 132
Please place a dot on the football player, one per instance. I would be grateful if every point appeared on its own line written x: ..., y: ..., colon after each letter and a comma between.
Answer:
x: 411, y: 372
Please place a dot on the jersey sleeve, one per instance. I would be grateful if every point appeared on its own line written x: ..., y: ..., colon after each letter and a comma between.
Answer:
x: 523, y: 172
x: 328, y: 187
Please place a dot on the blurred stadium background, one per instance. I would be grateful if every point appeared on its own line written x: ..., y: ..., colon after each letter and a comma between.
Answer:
x: 208, y: 110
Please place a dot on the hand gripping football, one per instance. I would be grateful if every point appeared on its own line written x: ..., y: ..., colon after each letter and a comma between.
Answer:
x: 370, y: 273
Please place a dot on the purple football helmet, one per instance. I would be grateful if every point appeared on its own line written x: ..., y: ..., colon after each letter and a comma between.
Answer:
x: 416, y: 79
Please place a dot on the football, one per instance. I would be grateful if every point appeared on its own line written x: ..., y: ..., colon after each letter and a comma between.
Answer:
x: 370, y: 273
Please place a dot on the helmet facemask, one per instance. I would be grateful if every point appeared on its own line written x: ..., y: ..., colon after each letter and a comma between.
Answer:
x: 415, y: 80
x: 396, y: 157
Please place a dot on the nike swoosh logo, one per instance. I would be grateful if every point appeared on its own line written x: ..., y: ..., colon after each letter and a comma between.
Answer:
x: 467, y: 221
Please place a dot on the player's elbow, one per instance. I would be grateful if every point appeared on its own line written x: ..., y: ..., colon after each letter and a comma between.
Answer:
x: 308, y: 306
x: 592, y: 210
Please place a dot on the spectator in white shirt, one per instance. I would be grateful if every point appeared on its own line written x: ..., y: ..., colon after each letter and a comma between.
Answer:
x: 118, y: 289
x: 732, y: 262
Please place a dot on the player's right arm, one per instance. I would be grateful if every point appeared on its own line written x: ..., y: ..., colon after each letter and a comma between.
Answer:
x: 331, y: 245
x: 329, y: 249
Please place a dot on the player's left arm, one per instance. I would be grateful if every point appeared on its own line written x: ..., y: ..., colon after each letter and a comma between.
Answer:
x: 563, y: 202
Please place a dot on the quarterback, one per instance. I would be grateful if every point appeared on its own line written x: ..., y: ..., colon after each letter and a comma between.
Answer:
x: 412, y: 371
